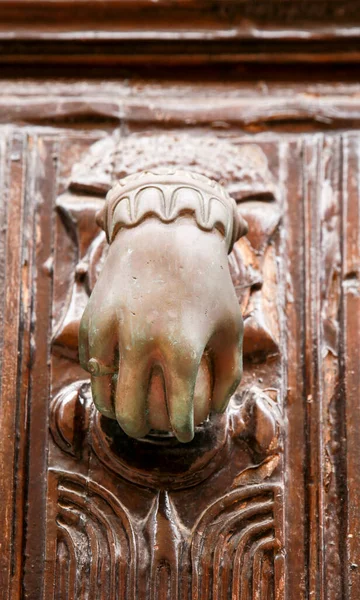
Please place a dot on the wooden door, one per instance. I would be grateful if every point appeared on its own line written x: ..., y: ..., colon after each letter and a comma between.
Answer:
x: 264, y: 502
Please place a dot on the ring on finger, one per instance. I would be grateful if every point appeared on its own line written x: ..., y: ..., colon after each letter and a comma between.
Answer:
x: 97, y: 369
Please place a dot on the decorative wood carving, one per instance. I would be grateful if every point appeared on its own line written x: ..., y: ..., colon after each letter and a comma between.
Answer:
x: 242, y: 169
x: 245, y: 174
x: 234, y: 458
x: 286, y: 450
x: 96, y: 541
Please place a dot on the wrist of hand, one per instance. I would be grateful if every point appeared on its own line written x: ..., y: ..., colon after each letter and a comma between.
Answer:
x: 169, y: 197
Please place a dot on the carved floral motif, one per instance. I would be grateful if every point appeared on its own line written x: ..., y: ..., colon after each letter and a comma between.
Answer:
x: 243, y: 170
x: 226, y: 545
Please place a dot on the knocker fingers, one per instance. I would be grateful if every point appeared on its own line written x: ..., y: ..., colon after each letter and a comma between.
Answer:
x: 131, y: 394
x: 227, y: 366
x: 180, y: 372
x: 98, y: 356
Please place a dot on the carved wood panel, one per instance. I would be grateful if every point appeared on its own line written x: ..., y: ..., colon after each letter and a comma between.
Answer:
x: 261, y: 504
x: 167, y: 548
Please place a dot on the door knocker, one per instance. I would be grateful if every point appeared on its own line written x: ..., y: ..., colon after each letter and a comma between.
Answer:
x: 162, y: 333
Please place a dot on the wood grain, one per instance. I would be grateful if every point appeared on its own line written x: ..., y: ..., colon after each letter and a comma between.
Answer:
x: 270, y: 508
x: 182, y: 31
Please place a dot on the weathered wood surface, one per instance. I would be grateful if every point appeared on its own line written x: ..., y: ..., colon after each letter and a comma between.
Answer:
x: 301, y: 104
x: 124, y: 31
x: 79, y: 515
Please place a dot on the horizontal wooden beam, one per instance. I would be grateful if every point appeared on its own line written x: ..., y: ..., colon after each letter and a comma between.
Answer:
x: 181, y: 31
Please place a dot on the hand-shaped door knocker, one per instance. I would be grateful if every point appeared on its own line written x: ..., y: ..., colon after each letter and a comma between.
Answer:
x: 161, y: 335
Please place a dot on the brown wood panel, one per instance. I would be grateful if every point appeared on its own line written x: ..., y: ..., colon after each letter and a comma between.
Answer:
x: 75, y: 513
x: 295, y: 440
x: 43, y: 191
x: 350, y: 358
x: 187, y: 31
x: 244, y: 100
x: 13, y: 166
